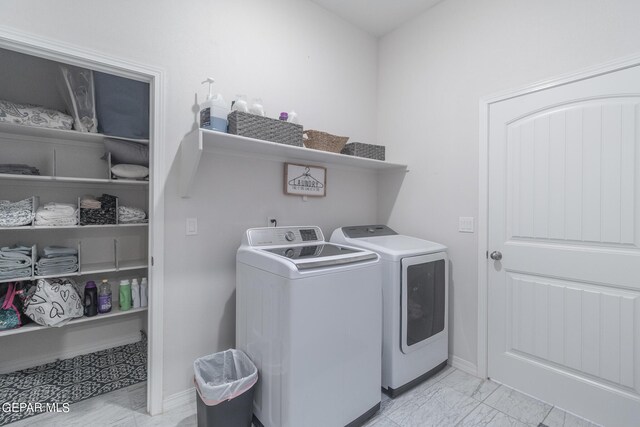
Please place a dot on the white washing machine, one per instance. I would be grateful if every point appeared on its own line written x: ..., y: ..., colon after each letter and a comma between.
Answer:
x: 308, y: 315
x: 415, y: 303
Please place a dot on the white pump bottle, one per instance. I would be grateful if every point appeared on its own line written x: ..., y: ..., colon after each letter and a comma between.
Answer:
x: 213, y: 111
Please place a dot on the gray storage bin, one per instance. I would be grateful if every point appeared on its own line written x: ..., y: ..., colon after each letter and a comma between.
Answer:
x: 258, y: 127
x: 360, y: 149
x: 225, y: 384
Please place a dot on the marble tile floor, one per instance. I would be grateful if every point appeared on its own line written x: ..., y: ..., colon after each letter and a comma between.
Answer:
x: 450, y: 398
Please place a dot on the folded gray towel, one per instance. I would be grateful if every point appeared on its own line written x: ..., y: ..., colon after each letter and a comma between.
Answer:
x: 56, y: 265
x: 17, y: 248
x: 14, y: 258
x: 15, y: 273
x: 58, y: 251
x: 60, y: 260
x: 58, y: 270
x: 19, y: 169
x: 15, y: 262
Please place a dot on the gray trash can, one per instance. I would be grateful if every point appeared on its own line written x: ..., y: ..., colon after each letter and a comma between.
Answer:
x: 225, y: 382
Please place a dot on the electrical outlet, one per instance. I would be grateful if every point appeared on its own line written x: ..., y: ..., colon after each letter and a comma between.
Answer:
x: 272, y: 221
x: 465, y: 224
x: 192, y: 226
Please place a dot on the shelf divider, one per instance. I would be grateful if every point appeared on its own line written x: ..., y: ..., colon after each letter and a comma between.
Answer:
x: 54, y: 171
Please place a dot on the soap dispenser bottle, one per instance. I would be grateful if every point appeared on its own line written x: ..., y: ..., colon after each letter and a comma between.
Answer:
x: 213, y: 111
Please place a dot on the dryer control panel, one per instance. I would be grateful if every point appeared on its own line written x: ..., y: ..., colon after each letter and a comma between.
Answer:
x: 269, y: 236
x: 359, y: 231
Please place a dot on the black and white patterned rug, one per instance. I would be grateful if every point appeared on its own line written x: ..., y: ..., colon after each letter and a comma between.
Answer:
x: 71, y: 380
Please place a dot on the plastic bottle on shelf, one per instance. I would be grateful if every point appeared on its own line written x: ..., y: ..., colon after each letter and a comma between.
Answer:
x: 125, y: 295
x: 135, y: 293
x: 144, y: 293
x: 104, y: 297
x: 90, y: 299
x: 292, y: 117
x: 213, y: 111
x: 240, y: 104
x: 256, y: 107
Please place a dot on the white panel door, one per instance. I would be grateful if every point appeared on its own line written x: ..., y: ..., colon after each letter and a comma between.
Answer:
x: 564, y: 212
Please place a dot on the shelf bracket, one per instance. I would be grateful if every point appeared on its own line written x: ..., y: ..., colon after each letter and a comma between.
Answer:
x: 190, y: 154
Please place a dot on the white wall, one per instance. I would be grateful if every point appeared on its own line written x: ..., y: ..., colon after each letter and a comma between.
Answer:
x: 432, y: 72
x: 291, y: 53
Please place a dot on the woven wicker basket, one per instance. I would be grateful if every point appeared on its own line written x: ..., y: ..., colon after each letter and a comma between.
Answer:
x: 264, y: 128
x: 324, y: 141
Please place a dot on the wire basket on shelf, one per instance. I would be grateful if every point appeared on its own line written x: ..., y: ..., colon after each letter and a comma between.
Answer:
x: 324, y: 141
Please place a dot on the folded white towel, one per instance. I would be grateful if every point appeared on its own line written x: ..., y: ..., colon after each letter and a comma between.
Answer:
x: 57, y: 214
x: 53, y: 208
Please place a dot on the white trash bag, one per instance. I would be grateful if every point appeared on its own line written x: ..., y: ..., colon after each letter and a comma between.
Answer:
x: 222, y: 376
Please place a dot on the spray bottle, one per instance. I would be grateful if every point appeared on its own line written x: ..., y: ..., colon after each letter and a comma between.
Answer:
x: 213, y: 111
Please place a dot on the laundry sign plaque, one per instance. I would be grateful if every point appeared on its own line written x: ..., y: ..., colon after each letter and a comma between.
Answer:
x: 304, y: 180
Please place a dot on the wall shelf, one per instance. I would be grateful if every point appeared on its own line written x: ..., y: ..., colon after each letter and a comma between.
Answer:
x: 200, y: 140
x: 31, y: 327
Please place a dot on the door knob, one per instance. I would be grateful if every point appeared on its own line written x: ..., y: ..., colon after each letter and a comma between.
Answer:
x: 496, y: 255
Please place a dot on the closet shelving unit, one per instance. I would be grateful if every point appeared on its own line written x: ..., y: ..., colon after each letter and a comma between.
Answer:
x: 71, y: 166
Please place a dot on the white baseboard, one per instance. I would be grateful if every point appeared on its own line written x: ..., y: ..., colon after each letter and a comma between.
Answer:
x: 25, y: 362
x: 463, y: 365
x: 178, y: 399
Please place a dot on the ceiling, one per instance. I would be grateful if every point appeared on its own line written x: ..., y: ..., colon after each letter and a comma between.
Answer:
x: 377, y: 17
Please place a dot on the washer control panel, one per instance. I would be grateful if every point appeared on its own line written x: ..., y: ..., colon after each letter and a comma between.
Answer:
x: 283, y: 235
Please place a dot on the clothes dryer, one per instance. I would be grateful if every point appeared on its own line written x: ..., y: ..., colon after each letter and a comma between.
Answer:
x: 415, y: 294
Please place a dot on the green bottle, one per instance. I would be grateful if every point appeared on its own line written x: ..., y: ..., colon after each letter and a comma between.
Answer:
x: 125, y: 295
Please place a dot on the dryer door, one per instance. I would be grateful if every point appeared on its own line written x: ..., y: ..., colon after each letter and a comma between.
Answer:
x: 424, y: 300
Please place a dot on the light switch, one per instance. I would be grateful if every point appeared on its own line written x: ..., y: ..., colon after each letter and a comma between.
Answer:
x: 192, y: 226
x: 465, y: 224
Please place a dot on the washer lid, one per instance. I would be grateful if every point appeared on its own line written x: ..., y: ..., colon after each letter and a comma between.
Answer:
x: 321, y: 255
